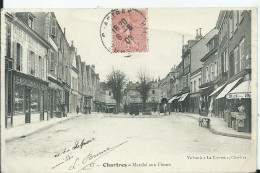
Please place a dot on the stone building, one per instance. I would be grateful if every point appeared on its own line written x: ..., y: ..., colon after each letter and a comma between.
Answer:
x: 26, y: 54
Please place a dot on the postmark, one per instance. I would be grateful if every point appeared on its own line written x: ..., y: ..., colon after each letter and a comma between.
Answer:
x: 125, y: 30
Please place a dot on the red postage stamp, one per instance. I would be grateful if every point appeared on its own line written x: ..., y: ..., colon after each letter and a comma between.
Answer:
x: 129, y: 30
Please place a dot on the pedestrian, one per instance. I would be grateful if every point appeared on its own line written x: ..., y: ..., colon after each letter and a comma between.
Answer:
x: 77, y: 109
x: 158, y: 109
x: 65, y: 110
x: 164, y: 108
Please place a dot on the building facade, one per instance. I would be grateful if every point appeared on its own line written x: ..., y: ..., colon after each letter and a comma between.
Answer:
x: 26, y: 55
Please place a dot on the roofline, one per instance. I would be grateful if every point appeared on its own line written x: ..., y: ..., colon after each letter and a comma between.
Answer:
x: 34, y: 33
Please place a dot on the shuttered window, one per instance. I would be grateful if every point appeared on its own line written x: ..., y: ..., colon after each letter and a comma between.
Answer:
x: 242, y: 54
x: 18, y: 56
x: 53, y: 26
x: 236, y: 59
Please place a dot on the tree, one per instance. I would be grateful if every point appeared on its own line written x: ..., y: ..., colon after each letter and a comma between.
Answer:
x: 144, y: 86
x: 116, y: 81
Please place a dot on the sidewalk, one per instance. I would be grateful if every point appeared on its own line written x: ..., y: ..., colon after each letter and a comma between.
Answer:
x: 219, y: 126
x: 24, y: 130
x: 123, y: 115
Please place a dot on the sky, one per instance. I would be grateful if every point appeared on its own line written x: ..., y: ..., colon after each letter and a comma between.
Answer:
x: 166, y: 27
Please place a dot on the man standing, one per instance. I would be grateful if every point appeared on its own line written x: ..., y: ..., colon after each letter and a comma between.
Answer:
x: 77, y: 109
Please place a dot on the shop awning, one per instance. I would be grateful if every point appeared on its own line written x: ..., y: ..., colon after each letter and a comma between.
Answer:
x: 216, y: 90
x: 205, y: 87
x: 183, y: 97
x: 173, y: 98
x: 227, y: 89
x: 243, y: 90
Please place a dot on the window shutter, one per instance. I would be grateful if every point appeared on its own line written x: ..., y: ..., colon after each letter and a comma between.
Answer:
x: 242, y: 54
x: 21, y: 58
x: 36, y: 65
x: 15, y: 54
x: 29, y: 61
x: 43, y: 68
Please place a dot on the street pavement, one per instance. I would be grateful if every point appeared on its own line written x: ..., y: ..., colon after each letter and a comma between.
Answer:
x: 96, y: 142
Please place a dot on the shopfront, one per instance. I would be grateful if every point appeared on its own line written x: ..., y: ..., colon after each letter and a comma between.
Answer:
x: 184, y: 102
x: 239, y: 107
x: 29, y: 99
x: 55, y: 99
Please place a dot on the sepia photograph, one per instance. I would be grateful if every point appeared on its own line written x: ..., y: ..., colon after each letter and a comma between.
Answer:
x: 129, y: 90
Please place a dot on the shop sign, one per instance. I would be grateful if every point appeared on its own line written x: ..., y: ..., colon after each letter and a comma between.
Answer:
x: 27, y: 82
x: 55, y: 86
x: 18, y: 35
x: 241, y: 116
x: 239, y: 96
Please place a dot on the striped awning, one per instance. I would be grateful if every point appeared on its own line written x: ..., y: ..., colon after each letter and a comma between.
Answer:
x: 243, y: 90
x: 183, y: 97
x: 216, y: 90
x: 227, y: 89
x: 173, y: 98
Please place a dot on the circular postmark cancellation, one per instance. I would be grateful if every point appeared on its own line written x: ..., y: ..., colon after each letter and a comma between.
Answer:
x: 125, y: 30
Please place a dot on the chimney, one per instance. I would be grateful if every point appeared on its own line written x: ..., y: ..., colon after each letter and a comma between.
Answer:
x: 93, y: 67
x: 64, y: 31
x: 198, y: 36
x: 72, y: 43
x: 196, y: 32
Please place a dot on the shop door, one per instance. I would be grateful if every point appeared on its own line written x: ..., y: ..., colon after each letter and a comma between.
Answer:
x: 27, y: 105
x: 51, y: 103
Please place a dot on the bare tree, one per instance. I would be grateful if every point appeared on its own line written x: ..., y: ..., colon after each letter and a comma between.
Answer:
x: 144, y: 86
x: 116, y: 81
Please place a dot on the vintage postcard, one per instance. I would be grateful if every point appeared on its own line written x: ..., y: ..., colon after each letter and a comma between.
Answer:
x: 128, y: 90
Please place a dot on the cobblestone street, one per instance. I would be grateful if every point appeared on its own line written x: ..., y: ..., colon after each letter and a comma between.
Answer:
x: 171, y: 140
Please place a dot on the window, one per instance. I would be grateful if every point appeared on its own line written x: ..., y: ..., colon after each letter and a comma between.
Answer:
x: 41, y: 67
x: 31, y: 63
x: 236, y: 59
x: 34, y: 100
x: 207, y: 75
x: 53, y: 26
x: 30, y: 22
x: 225, y: 61
x: 52, y: 66
x: 18, y: 53
x: 153, y: 91
x: 18, y: 99
x: 210, y: 67
x: 235, y: 23
x: 37, y: 61
x: 216, y: 68
x: 230, y: 25
x: 194, y: 86
x: 242, y: 54
x: 212, y: 71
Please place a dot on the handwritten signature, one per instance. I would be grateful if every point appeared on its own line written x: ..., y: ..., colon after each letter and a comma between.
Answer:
x: 91, y: 158
x: 77, y: 145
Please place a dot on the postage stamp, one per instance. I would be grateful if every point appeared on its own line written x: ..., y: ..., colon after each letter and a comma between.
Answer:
x: 128, y: 29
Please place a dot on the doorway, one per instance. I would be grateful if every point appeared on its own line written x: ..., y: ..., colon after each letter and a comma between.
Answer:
x: 27, y: 105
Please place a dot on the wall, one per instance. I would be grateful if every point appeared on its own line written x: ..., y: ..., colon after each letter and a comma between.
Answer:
x: 199, y: 50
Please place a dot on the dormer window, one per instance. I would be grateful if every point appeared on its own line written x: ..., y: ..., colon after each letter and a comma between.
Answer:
x: 31, y: 22
x: 53, y: 26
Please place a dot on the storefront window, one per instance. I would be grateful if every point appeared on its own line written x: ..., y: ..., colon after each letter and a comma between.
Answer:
x: 34, y: 100
x: 19, y: 99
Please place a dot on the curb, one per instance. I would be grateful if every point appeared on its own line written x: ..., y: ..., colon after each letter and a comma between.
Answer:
x: 40, y: 129
x: 214, y: 131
